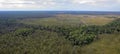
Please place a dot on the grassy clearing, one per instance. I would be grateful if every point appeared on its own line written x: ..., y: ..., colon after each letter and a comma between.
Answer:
x: 108, y: 44
x: 96, y: 21
x: 72, y: 20
x: 53, y: 21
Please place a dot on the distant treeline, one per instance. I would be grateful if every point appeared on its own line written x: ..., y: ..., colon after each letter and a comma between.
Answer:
x: 45, y: 14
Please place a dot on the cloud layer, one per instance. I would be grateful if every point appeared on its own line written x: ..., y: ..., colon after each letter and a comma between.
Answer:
x: 61, y: 4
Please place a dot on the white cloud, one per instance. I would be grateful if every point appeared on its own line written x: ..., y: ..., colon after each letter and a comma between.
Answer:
x: 82, y: 1
x: 17, y: 2
x: 57, y: 4
x: 118, y: 1
x: 94, y: 2
x: 26, y: 4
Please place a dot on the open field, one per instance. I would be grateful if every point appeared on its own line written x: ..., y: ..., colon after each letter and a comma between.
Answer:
x: 71, y: 20
x: 97, y: 21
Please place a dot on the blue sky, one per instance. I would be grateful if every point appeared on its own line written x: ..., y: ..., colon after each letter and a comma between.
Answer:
x: 75, y: 5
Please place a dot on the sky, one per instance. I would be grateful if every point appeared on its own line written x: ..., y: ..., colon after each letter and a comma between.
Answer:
x: 70, y: 5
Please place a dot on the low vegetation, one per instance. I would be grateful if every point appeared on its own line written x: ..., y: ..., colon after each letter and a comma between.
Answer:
x: 107, y: 44
x: 73, y: 20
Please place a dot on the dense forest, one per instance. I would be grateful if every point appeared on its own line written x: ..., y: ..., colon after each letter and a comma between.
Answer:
x: 21, y: 38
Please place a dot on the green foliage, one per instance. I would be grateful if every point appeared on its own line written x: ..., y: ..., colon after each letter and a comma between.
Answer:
x: 23, y: 32
x: 18, y: 38
x: 40, y: 42
x: 80, y: 38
